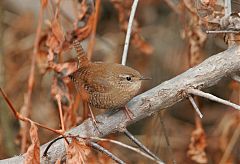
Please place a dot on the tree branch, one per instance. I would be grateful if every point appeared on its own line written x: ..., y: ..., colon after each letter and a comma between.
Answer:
x: 204, y: 75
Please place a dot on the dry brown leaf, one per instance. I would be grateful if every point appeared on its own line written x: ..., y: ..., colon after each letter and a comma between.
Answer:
x: 57, y: 30
x: 33, y: 152
x: 83, y: 32
x: 64, y: 68
x: 42, y: 61
x: 82, y: 9
x: 197, y: 146
x: 85, y: 20
x: 77, y: 152
x: 55, y: 37
x: 195, y: 36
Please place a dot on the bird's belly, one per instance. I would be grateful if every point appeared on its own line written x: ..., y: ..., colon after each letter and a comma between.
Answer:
x: 109, y: 101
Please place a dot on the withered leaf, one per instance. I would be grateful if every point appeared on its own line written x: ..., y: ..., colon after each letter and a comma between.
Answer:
x: 57, y: 30
x: 56, y: 36
x: 42, y: 61
x: 64, y: 68
x: 77, y: 152
x: 196, y: 149
x: 85, y: 20
x: 82, y: 9
x: 33, y: 152
x: 83, y: 32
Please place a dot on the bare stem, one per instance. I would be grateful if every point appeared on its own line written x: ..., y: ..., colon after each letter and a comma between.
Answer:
x: 221, y: 31
x: 129, y: 30
x: 212, y: 97
x: 139, y: 144
x: 195, y: 106
x: 126, y: 146
x: 167, y: 139
x: 105, y: 151
x: 25, y: 119
x: 25, y: 110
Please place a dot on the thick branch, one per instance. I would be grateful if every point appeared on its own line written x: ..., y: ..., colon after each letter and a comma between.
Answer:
x: 204, y: 75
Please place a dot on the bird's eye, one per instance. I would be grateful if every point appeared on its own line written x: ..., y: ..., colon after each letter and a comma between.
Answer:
x: 129, y: 78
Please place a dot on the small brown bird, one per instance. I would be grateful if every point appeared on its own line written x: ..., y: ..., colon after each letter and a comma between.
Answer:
x: 104, y: 85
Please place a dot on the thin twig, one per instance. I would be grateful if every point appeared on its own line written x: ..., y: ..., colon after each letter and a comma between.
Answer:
x: 127, y: 146
x: 140, y: 145
x: 129, y: 30
x: 25, y: 110
x: 212, y: 97
x: 105, y: 151
x: 195, y: 106
x: 45, y: 153
x: 167, y: 139
x: 25, y: 119
x: 230, y: 146
x: 221, y: 31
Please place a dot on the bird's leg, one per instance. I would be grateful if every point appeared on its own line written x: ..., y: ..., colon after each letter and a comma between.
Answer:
x: 128, y: 112
x: 94, y: 119
x: 58, y: 98
x: 86, y: 113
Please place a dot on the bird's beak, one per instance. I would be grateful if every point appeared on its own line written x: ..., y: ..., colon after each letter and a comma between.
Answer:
x: 145, y: 78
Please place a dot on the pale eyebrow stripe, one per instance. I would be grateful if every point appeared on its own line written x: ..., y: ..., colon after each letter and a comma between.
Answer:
x: 125, y: 76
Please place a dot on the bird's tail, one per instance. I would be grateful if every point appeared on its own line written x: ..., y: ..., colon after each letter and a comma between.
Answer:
x: 81, y: 54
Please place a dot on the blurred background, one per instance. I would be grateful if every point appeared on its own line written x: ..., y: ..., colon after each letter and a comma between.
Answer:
x: 168, y: 38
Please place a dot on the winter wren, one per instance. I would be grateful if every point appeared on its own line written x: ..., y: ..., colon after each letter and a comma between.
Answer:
x: 104, y: 85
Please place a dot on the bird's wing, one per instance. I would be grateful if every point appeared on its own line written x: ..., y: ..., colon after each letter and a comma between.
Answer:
x: 89, y: 82
x: 97, y: 84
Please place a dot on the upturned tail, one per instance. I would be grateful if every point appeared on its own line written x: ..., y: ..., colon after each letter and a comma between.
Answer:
x: 81, y: 54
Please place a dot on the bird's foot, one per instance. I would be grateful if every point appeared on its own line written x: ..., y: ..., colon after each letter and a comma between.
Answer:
x: 95, y: 122
x: 128, y: 113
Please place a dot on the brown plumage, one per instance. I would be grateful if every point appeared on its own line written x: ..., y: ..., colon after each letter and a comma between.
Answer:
x: 104, y: 85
